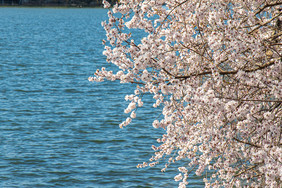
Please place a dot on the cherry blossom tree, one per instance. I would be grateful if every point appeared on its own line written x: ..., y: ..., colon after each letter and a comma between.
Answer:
x: 214, y: 68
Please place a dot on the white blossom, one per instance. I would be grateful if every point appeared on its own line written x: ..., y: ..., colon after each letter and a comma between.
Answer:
x: 178, y: 177
x: 214, y: 67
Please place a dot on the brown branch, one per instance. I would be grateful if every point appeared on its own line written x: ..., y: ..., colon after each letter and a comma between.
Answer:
x: 266, y: 6
x: 273, y: 37
x: 227, y: 72
x: 276, y: 44
x: 263, y: 24
x: 168, y: 72
x: 133, y: 82
x: 246, y: 170
x: 248, y: 143
x: 259, y: 100
x: 191, y: 75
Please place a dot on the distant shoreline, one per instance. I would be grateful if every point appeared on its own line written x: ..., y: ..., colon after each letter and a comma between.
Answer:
x: 49, y: 6
x: 52, y: 3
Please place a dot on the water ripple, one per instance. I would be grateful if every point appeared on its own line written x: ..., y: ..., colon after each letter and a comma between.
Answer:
x: 56, y: 128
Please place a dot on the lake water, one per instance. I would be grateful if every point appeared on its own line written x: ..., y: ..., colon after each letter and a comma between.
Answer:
x: 56, y: 128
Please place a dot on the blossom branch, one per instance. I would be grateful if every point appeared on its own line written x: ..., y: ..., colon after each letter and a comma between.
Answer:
x: 170, y: 13
x: 244, y: 171
x: 183, y: 47
x: 228, y: 72
x: 247, y: 100
x: 263, y: 24
x: 268, y: 5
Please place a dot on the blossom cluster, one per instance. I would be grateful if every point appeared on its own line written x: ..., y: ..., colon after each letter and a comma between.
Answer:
x: 214, y: 67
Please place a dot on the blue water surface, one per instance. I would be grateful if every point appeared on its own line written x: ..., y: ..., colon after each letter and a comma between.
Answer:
x: 56, y: 128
